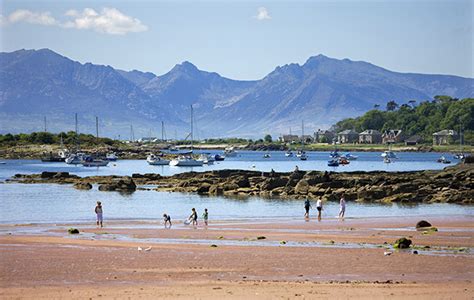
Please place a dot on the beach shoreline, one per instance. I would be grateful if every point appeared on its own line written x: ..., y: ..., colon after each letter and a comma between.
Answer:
x: 239, y: 259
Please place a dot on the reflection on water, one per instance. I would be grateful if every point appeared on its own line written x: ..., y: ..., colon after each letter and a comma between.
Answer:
x: 23, y: 203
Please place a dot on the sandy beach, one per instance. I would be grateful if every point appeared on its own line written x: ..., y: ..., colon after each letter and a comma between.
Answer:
x: 256, y: 259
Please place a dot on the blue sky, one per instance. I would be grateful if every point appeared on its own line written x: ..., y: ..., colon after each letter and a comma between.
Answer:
x: 246, y: 39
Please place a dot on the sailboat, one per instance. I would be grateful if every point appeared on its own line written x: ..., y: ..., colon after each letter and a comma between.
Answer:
x: 94, y: 161
x: 302, y: 154
x: 155, y: 160
x: 187, y: 160
x: 460, y: 155
x: 76, y: 157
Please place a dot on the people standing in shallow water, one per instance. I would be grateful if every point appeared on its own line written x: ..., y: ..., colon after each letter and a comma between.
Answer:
x: 307, y: 206
x: 167, y: 219
x: 205, y: 216
x: 342, y: 207
x: 98, y: 212
x: 319, y: 207
x: 193, y: 217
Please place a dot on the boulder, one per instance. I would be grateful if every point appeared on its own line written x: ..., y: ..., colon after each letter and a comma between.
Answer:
x: 302, y: 187
x: 423, y: 224
x: 402, y: 243
x: 122, y: 185
x: 242, y: 182
x: 215, y: 190
x: 272, y: 183
x: 82, y: 186
x: 73, y: 231
x: 204, y: 188
x: 47, y: 175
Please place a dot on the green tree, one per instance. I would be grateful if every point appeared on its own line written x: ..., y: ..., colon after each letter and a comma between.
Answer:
x: 268, y: 138
x: 392, y: 105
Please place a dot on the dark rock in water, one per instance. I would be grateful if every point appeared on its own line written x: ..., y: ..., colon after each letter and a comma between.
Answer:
x: 47, y: 174
x: 415, y: 252
x: 242, y: 182
x: 122, y: 185
x: 73, y: 231
x: 469, y: 159
x: 402, y: 243
x: 82, y: 186
x: 422, y: 224
x: 204, y: 188
x: 150, y: 176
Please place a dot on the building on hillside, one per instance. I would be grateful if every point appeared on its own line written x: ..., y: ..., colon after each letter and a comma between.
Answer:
x: 413, y: 140
x: 289, y: 138
x: 370, y: 136
x: 347, y: 136
x: 392, y: 136
x: 323, y: 136
x: 445, y: 137
x: 307, y: 139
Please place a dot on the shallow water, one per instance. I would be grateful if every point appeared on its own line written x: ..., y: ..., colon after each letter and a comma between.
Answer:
x: 53, y: 203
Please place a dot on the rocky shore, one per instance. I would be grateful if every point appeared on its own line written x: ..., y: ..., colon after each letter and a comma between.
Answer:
x: 453, y: 184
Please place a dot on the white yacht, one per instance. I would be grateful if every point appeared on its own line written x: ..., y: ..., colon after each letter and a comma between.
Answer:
x: 76, y: 158
x: 111, y: 156
x: 186, y: 161
x: 91, y: 162
x: 389, y: 154
x: 154, y: 160
x: 230, y: 152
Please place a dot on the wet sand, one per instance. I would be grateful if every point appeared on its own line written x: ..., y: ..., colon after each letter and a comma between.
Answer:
x: 311, y: 259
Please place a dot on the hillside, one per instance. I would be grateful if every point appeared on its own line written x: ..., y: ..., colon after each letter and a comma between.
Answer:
x: 322, y: 91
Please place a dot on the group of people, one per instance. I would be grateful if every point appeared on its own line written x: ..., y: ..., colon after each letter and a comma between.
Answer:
x: 193, y: 218
x: 319, y: 207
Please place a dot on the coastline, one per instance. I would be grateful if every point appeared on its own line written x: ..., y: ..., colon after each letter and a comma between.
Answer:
x: 318, y: 259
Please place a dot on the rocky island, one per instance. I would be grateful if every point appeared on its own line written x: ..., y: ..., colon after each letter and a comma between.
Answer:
x: 451, y: 185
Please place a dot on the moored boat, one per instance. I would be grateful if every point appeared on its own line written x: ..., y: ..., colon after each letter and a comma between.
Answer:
x: 154, y: 160
x: 333, y: 163
x: 186, y: 161
x: 94, y: 162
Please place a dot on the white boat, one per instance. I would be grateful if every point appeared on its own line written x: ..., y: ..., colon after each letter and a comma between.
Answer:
x: 206, y: 159
x: 266, y: 155
x: 76, y: 158
x: 154, y: 160
x: 111, y: 156
x: 230, y: 152
x: 91, y: 162
x: 389, y: 154
x: 289, y: 153
x: 186, y: 161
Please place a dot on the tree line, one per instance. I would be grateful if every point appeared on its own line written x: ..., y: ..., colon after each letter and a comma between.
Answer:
x: 423, y: 119
x: 68, y: 138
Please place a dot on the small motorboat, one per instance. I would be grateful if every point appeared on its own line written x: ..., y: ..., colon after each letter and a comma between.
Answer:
x: 218, y: 157
x: 155, y: 160
x: 303, y: 156
x: 230, y: 152
x: 289, y: 154
x: 111, y: 156
x: 334, y: 154
x: 266, y: 155
x: 52, y: 158
x: 443, y: 160
x: 333, y: 163
x: 389, y: 154
x: 343, y: 161
x: 92, y: 162
x: 387, y: 160
x: 206, y: 159
x: 76, y: 159
x: 459, y: 156
x: 300, y: 153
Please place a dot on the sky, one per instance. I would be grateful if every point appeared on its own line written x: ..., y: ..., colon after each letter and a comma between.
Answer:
x: 246, y: 39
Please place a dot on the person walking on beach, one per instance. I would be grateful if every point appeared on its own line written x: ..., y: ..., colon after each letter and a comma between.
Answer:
x: 193, y: 217
x: 205, y: 216
x: 307, y: 206
x: 319, y: 207
x: 167, y: 219
x: 342, y: 207
x: 98, y: 212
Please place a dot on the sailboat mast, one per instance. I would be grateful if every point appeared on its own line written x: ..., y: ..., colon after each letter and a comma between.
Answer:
x: 45, y: 128
x: 97, y: 128
x: 77, y: 135
x: 162, y: 131
x: 192, y: 137
x: 302, y: 134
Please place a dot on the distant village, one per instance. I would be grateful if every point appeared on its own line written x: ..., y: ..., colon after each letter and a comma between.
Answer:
x: 371, y: 136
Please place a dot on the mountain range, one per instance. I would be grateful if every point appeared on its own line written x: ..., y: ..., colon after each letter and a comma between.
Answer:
x: 42, y: 83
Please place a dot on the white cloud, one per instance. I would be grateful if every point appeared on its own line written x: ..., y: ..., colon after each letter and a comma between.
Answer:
x: 262, y: 14
x: 108, y: 20
x: 28, y: 16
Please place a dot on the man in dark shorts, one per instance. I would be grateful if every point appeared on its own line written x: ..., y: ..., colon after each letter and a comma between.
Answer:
x: 307, y: 206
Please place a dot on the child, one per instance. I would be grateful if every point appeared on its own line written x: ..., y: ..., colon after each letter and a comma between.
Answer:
x: 98, y: 211
x: 307, y: 206
x: 193, y: 217
x: 342, y: 207
x: 205, y: 216
x: 167, y: 220
x: 319, y: 207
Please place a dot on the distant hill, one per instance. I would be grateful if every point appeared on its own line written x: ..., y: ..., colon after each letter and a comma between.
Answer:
x: 37, y: 83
